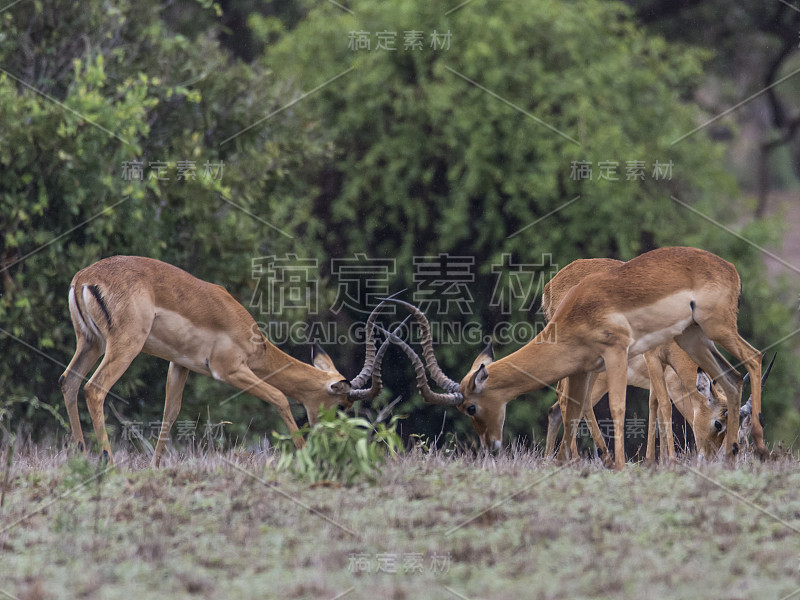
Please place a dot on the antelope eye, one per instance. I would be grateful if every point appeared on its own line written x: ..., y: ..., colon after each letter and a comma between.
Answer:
x: 471, y: 410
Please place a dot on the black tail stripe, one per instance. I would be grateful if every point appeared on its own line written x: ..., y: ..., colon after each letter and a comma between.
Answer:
x: 98, y: 296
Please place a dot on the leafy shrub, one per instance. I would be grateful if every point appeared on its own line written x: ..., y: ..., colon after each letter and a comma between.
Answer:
x: 340, y: 448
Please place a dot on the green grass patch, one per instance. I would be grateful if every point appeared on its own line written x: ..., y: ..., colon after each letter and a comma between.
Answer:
x: 340, y: 448
x: 429, y: 526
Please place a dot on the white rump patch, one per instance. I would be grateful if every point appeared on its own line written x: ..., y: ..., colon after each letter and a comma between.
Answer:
x: 95, y: 330
x: 73, y: 309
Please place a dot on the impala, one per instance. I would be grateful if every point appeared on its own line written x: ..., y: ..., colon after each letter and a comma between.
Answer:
x: 683, y: 293
x: 701, y: 403
x: 125, y: 305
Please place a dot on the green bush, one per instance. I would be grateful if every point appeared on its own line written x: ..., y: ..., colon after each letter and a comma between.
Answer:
x: 153, y: 89
x: 428, y: 161
x: 340, y: 448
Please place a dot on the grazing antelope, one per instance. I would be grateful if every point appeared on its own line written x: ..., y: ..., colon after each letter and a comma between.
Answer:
x: 125, y: 305
x: 701, y: 403
x: 683, y: 293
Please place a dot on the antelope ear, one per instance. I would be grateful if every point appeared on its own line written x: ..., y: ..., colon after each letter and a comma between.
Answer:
x: 479, y: 379
x: 486, y: 357
x: 704, y: 384
x: 320, y: 358
x: 337, y: 388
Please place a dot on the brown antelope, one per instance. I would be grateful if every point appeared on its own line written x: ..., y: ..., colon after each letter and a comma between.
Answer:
x: 683, y: 293
x: 701, y: 403
x: 125, y: 305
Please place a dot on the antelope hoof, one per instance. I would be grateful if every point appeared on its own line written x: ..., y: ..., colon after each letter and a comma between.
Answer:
x: 609, y: 462
x: 761, y: 452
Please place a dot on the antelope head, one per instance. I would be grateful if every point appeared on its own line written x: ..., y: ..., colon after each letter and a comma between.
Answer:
x: 710, y: 416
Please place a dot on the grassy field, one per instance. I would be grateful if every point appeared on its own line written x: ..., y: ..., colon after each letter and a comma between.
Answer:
x: 433, y: 526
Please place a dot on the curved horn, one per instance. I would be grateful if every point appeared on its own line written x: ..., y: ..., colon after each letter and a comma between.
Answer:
x: 769, y: 368
x: 450, y: 398
x: 360, y: 380
x: 766, y: 373
x: 377, y: 378
x: 438, y: 376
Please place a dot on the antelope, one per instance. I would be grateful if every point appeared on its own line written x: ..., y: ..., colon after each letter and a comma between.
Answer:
x: 683, y: 293
x: 126, y: 305
x: 697, y: 398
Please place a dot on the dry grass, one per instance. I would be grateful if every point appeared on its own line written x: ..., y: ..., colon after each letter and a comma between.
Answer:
x: 517, y: 525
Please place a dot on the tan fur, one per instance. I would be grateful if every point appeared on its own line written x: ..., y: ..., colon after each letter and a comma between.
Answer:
x: 700, y: 412
x: 159, y: 309
x: 607, y: 313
